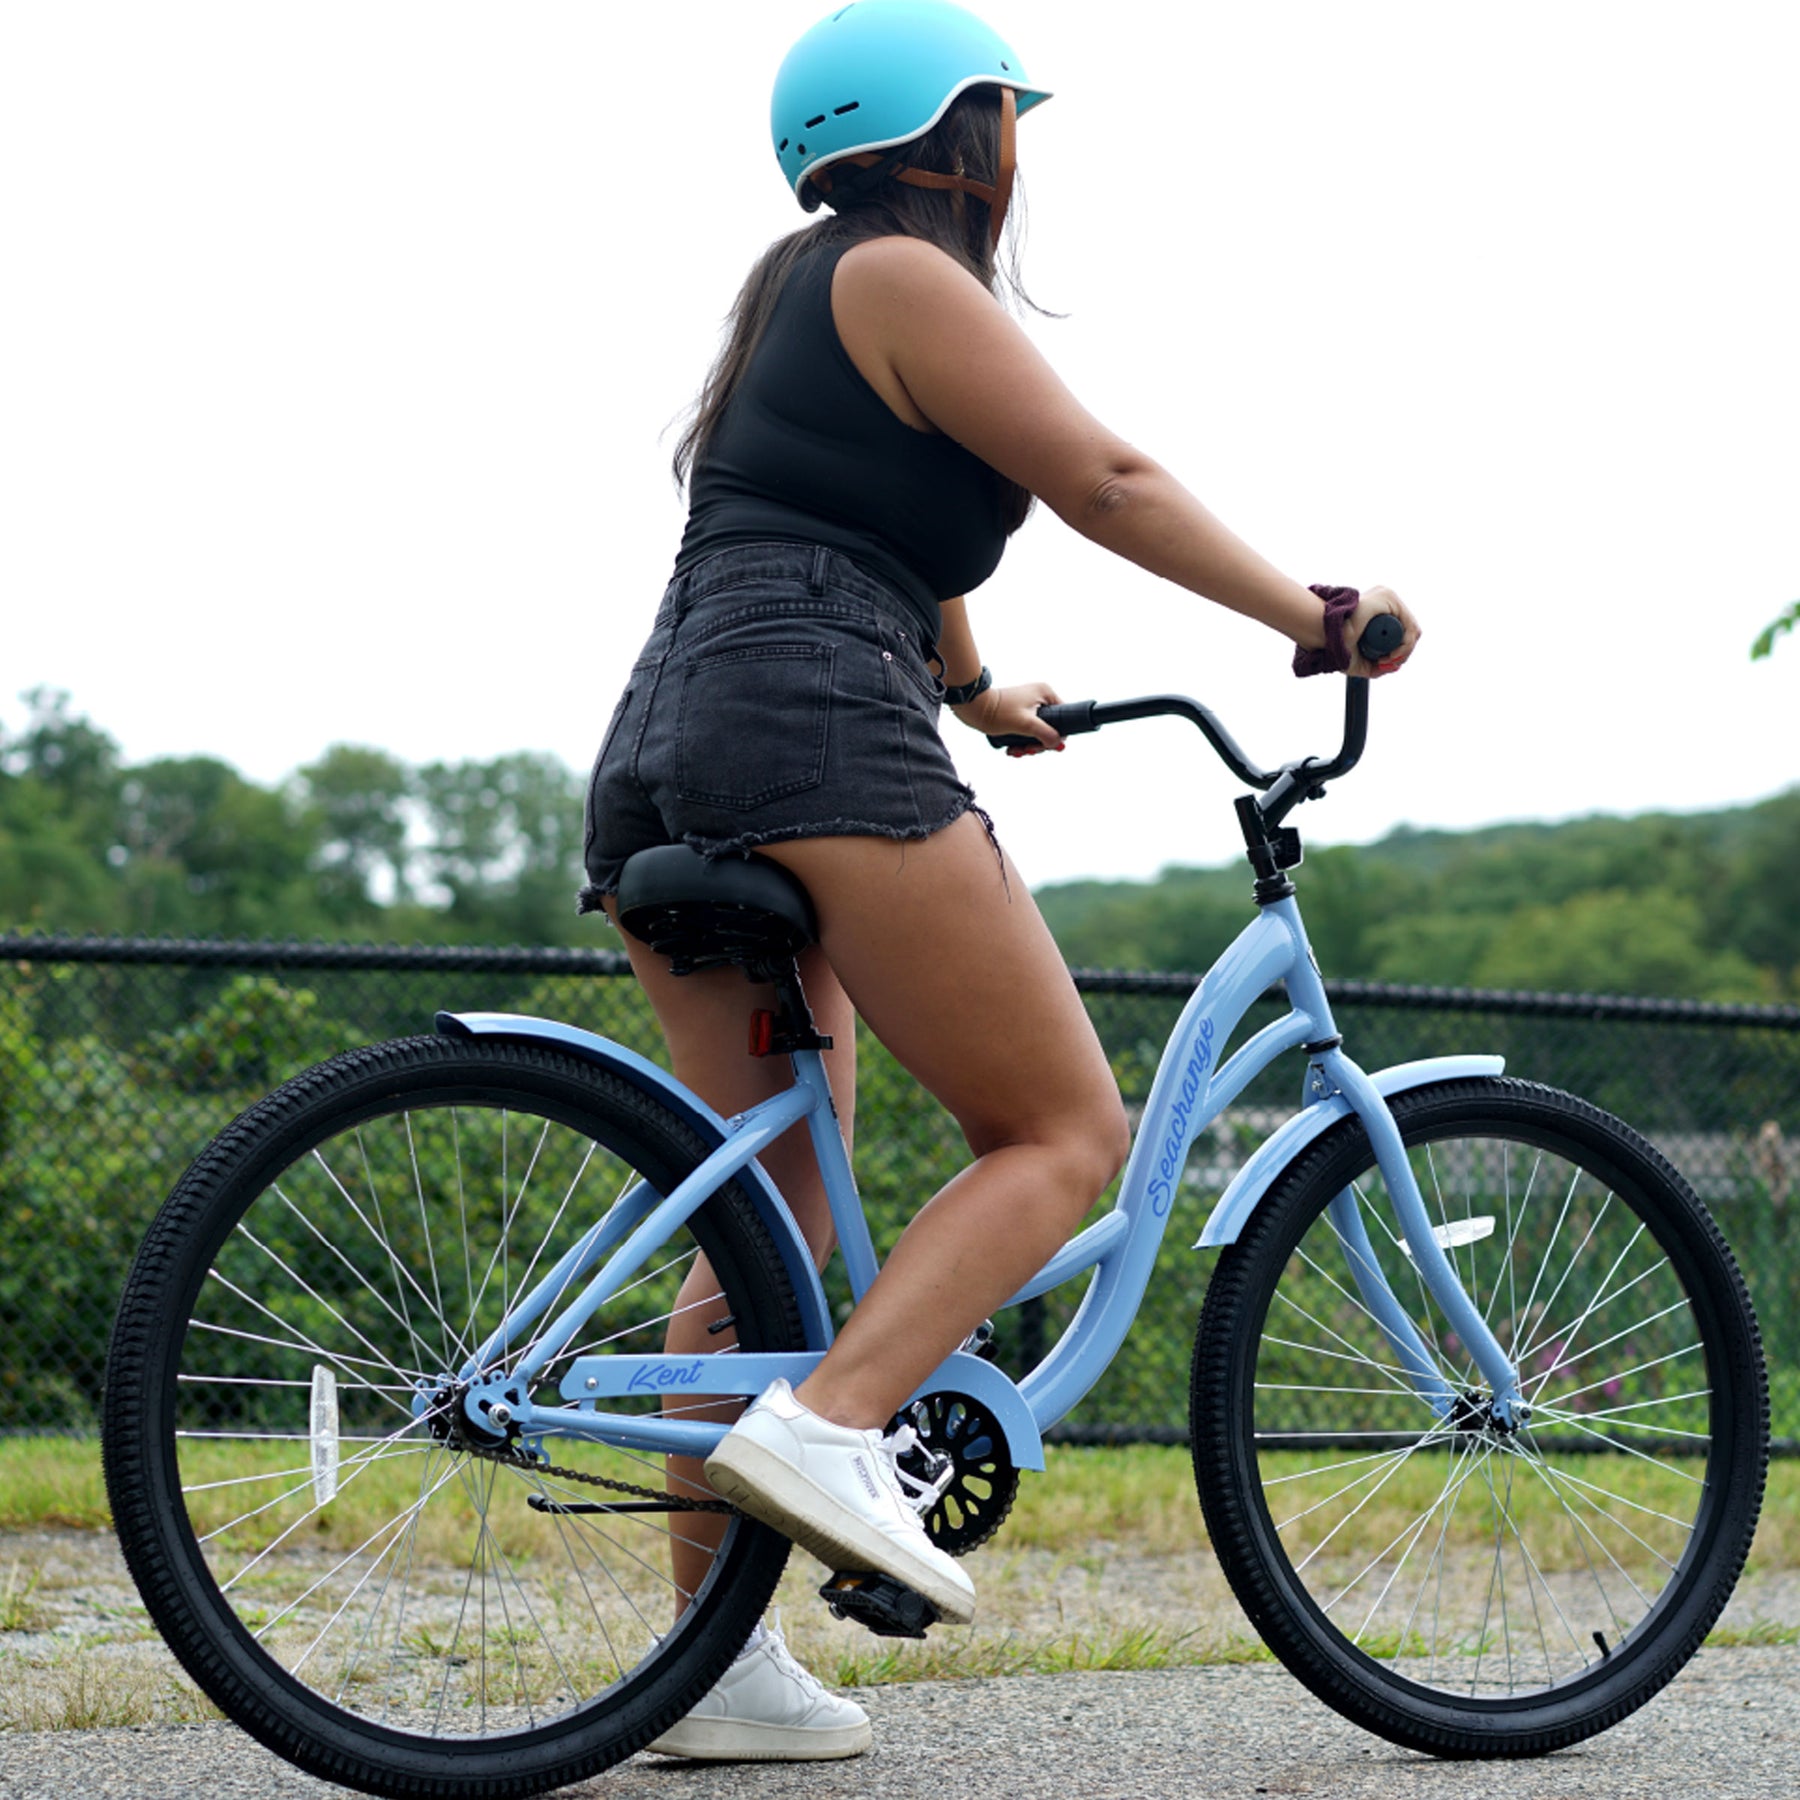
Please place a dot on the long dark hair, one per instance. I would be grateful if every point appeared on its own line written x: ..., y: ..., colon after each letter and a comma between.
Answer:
x: 965, y: 141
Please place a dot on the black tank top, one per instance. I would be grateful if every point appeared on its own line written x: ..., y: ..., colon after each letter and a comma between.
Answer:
x: 806, y: 451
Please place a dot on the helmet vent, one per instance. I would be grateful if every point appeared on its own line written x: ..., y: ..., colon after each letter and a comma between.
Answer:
x: 820, y: 120
x: 1007, y: 67
x: 782, y: 145
x: 837, y: 112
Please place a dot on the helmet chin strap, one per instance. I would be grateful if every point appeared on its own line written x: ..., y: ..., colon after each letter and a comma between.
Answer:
x: 996, y: 197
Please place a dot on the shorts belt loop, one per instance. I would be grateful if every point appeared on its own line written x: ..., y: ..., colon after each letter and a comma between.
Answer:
x: 817, y: 584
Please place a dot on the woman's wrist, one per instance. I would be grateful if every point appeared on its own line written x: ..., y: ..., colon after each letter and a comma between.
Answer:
x: 1332, y: 656
x: 962, y: 695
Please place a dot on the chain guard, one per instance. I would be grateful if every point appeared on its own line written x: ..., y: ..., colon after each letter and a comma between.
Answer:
x: 983, y: 1481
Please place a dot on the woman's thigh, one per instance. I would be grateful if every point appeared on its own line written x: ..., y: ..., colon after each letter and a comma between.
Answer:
x: 705, y: 1019
x: 941, y: 949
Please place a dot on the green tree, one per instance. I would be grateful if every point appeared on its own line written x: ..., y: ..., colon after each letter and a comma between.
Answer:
x: 354, y: 802
x: 1759, y: 915
x: 1616, y: 942
x: 505, y: 846
x: 203, y: 852
x: 59, y: 779
x: 1765, y: 641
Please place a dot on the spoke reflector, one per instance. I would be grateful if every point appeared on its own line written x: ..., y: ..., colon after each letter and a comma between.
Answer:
x: 1457, y: 1233
x: 324, y: 1435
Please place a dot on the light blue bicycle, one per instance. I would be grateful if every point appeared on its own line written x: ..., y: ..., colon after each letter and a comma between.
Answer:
x: 1478, y: 1406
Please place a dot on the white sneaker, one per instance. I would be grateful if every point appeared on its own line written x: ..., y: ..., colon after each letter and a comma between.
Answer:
x: 834, y: 1491
x: 766, y: 1708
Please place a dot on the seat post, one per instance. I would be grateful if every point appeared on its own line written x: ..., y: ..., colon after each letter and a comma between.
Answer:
x: 790, y: 1026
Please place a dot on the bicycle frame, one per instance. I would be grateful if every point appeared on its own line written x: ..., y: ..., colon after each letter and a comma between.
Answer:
x: 1191, y: 1088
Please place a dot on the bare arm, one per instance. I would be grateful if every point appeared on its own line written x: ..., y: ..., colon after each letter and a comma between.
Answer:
x: 967, y: 367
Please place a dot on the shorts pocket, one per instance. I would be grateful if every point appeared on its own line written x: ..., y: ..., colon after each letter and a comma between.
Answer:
x: 752, y: 724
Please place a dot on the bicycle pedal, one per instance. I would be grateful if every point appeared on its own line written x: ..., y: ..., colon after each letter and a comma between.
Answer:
x: 880, y: 1603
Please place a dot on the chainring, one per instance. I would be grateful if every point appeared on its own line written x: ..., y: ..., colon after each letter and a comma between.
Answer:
x: 983, y: 1481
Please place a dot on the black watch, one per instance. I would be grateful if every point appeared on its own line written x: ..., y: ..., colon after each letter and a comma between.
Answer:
x: 961, y: 696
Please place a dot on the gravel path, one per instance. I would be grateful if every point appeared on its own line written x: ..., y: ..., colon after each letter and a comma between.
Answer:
x: 1729, y: 1727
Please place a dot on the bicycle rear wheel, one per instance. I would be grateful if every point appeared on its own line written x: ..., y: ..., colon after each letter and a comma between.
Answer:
x: 1454, y: 1587
x: 371, y: 1591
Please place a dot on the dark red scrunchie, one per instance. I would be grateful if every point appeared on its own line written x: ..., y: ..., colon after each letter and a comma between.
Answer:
x: 1334, y: 659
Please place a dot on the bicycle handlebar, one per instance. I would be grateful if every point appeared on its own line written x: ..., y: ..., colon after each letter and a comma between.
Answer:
x: 1284, y: 788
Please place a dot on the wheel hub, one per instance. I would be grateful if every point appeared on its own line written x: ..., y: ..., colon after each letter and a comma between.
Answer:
x: 450, y: 1418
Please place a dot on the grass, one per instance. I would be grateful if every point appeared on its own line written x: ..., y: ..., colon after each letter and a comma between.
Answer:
x: 1076, y: 1652
x: 1759, y: 1634
x: 1058, y: 1594
x: 79, y: 1687
x: 19, y: 1611
x: 50, y: 1483
x: 1138, y: 1499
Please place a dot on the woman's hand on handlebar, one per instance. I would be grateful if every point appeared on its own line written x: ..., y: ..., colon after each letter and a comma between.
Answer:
x: 1376, y: 601
x: 1013, y: 712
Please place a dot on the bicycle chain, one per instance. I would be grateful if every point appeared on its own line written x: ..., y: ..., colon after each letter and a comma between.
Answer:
x: 511, y: 1459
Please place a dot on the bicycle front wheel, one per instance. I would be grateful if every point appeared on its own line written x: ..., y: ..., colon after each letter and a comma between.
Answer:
x: 1456, y: 1587
x: 379, y: 1594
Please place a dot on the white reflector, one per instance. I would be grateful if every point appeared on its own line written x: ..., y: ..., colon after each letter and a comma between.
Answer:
x: 1459, y: 1232
x: 324, y: 1435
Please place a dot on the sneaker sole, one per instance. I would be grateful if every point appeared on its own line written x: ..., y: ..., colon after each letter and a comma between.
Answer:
x: 759, y: 1483
x: 737, y: 1740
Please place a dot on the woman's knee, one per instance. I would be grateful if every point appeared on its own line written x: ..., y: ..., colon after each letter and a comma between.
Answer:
x: 1105, y: 1140
x: 1085, y: 1146
x: 1113, y: 1138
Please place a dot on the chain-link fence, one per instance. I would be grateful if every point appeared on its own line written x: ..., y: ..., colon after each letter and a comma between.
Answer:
x: 119, y: 1059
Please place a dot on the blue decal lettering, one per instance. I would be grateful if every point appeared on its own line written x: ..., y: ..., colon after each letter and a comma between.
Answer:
x: 653, y: 1379
x: 1187, y: 1097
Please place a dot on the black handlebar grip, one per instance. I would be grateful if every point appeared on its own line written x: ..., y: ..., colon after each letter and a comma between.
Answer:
x: 1381, y: 637
x: 1068, y: 718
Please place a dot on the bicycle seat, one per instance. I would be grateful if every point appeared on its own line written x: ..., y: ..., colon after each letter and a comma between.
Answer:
x: 703, y: 914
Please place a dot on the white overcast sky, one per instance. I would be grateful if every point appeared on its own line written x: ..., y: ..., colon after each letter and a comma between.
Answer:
x: 338, y: 339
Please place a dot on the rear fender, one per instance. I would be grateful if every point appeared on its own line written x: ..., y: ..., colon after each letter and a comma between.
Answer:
x: 657, y: 1084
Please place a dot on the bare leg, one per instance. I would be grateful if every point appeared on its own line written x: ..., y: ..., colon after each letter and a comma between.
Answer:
x: 950, y: 964
x: 706, y: 1019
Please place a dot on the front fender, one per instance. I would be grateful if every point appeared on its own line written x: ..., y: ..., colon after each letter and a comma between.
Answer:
x: 657, y: 1084
x: 1280, y: 1148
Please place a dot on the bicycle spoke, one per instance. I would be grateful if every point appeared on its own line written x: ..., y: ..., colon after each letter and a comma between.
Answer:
x: 1415, y: 1530
x: 356, y: 1274
x: 1564, y: 1397
x: 1468, y: 1575
x: 1637, y: 1325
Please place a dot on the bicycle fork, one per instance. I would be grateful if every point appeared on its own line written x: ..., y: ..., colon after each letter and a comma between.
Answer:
x: 1423, y: 1244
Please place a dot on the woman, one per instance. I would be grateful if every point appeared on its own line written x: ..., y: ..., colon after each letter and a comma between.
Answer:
x: 875, y: 428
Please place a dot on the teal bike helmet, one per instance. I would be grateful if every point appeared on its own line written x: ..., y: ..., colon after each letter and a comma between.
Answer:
x: 879, y: 73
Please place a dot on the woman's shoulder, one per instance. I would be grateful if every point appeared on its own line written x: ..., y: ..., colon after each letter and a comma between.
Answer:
x: 883, y: 273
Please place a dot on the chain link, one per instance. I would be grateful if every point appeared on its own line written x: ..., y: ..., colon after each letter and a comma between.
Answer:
x: 513, y: 1459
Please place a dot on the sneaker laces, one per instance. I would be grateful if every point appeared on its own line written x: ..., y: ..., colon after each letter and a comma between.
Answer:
x: 810, y: 1684
x: 921, y: 1493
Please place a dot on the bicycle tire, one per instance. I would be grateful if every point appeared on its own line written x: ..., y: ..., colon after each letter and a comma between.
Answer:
x: 370, y: 1218
x: 1614, y: 1524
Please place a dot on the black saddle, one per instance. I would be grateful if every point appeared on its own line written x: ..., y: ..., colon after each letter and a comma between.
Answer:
x: 705, y: 914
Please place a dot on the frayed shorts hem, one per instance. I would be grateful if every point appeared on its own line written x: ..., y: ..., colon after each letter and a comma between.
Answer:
x: 743, y: 843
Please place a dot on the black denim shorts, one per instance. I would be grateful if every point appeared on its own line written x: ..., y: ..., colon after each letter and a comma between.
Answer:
x: 783, y: 693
